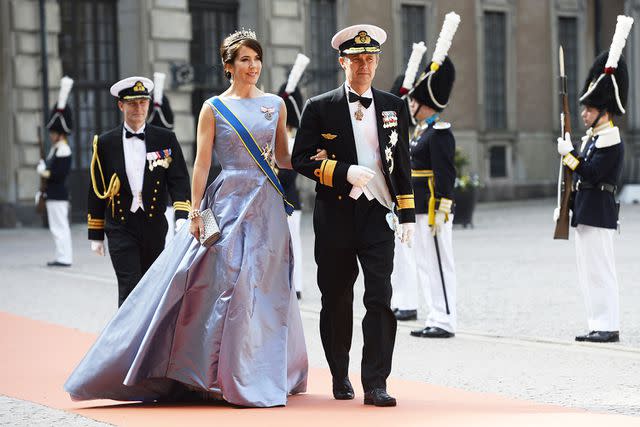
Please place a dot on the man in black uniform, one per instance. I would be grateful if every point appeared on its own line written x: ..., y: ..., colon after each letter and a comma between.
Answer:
x: 598, y: 167
x: 364, y: 181
x: 134, y: 168
x: 56, y: 169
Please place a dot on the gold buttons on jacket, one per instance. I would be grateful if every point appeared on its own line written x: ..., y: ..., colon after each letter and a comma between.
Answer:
x: 333, y: 156
x: 153, y: 207
x: 154, y: 199
x: 150, y: 215
x: 155, y: 190
x: 339, y: 197
x: 157, y: 182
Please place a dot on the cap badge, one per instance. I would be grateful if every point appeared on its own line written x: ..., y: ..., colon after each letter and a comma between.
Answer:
x: 362, y: 38
x: 139, y: 87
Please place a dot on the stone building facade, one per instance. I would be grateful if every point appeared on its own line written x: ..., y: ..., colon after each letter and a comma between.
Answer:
x: 504, y: 108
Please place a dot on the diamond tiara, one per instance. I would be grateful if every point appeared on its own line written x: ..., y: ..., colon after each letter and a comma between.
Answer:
x: 240, y: 35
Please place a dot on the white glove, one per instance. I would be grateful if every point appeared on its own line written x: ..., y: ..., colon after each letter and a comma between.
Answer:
x: 41, y: 168
x: 359, y: 176
x: 439, y: 222
x: 407, y: 233
x: 179, y: 223
x: 564, y: 145
x: 556, y: 214
x: 97, y: 246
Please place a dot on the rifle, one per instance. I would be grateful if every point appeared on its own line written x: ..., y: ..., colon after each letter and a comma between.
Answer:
x: 565, y: 178
x: 42, y: 192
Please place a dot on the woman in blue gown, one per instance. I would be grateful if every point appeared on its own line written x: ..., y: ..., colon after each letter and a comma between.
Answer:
x: 219, y: 322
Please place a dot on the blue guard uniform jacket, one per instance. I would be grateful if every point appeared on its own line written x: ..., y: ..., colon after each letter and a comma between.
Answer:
x: 597, y: 168
x: 326, y: 124
x: 158, y: 184
x: 433, y: 170
x: 59, y: 166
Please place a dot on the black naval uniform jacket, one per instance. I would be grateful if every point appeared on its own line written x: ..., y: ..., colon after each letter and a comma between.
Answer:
x: 598, y: 165
x: 158, y: 184
x: 59, y: 166
x: 326, y: 124
x: 432, y: 157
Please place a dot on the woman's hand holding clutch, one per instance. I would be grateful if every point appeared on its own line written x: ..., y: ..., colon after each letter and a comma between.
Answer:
x: 196, y: 226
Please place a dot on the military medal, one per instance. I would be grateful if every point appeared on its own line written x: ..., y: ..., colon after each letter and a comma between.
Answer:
x: 267, y: 154
x: 359, y: 114
x: 268, y: 112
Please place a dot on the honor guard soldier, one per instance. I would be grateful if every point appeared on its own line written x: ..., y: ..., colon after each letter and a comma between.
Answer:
x: 597, y: 167
x: 403, y: 278
x: 161, y: 115
x: 290, y: 92
x: 361, y: 186
x: 55, y: 169
x: 134, y: 169
x: 430, y: 262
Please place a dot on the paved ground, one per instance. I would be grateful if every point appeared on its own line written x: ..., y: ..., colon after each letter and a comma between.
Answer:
x: 519, y: 308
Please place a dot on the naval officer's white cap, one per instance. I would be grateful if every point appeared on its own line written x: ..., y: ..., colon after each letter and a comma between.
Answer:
x: 360, y: 38
x: 132, y: 88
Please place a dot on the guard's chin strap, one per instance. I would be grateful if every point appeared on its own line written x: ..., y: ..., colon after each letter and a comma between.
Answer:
x: 595, y: 122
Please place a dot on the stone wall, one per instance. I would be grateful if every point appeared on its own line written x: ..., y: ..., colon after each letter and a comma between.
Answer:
x: 23, y: 98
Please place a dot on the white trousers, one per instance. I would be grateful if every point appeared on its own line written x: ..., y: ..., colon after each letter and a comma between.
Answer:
x: 418, y: 266
x: 58, y: 216
x: 597, y: 277
x: 296, y: 244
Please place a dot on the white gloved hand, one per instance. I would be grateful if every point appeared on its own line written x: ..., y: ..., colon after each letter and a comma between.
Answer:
x: 440, y: 219
x: 407, y: 233
x: 179, y: 223
x: 556, y: 214
x: 97, y: 246
x: 41, y: 168
x: 564, y: 144
x: 359, y: 176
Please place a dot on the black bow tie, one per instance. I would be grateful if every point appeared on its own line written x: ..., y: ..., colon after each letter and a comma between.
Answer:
x: 137, y: 135
x: 354, y: 97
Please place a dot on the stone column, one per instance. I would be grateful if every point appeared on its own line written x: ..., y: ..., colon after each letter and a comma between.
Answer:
x: 168, y: 42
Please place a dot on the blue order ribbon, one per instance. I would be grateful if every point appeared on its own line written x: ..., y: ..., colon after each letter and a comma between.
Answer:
x: 252, y: 147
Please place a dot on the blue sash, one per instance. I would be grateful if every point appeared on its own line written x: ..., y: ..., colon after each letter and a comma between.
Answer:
x: 252, y: 147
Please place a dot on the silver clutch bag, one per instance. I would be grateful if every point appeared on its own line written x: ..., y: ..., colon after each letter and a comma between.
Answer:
x: 211, y: 232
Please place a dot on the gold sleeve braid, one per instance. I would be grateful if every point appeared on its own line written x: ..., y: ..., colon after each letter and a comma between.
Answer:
x: 325, y: 172
x: 182, y: 206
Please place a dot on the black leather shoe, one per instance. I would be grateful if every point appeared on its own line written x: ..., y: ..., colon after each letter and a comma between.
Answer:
x: 342, y: 389
x: 379, y: 397
x: 406, y: 314
x: 600, y: 336
x: 57, y: 264
x: 299, y: 295
x: 432, y: 332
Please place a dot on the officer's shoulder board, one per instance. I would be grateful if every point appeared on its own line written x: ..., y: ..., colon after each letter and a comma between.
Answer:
x: 442, y: 125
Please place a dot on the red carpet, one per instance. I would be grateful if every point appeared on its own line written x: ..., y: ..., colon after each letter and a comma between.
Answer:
x: 37, y: 358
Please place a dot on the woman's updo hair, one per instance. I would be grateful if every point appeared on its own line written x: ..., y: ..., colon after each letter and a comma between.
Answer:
x: 232, y: 44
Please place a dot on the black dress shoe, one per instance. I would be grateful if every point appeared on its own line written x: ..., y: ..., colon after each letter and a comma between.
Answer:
x: 57, y: 264
x: 379, y: 397
x: 298, y: 294
x: 432, y: 332
x: 600, y: 336
x: 342, y: 389
x: 406, y: 314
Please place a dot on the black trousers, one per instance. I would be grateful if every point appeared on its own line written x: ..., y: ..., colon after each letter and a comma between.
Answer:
x: 371, y: 241
x: 133, y: 247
